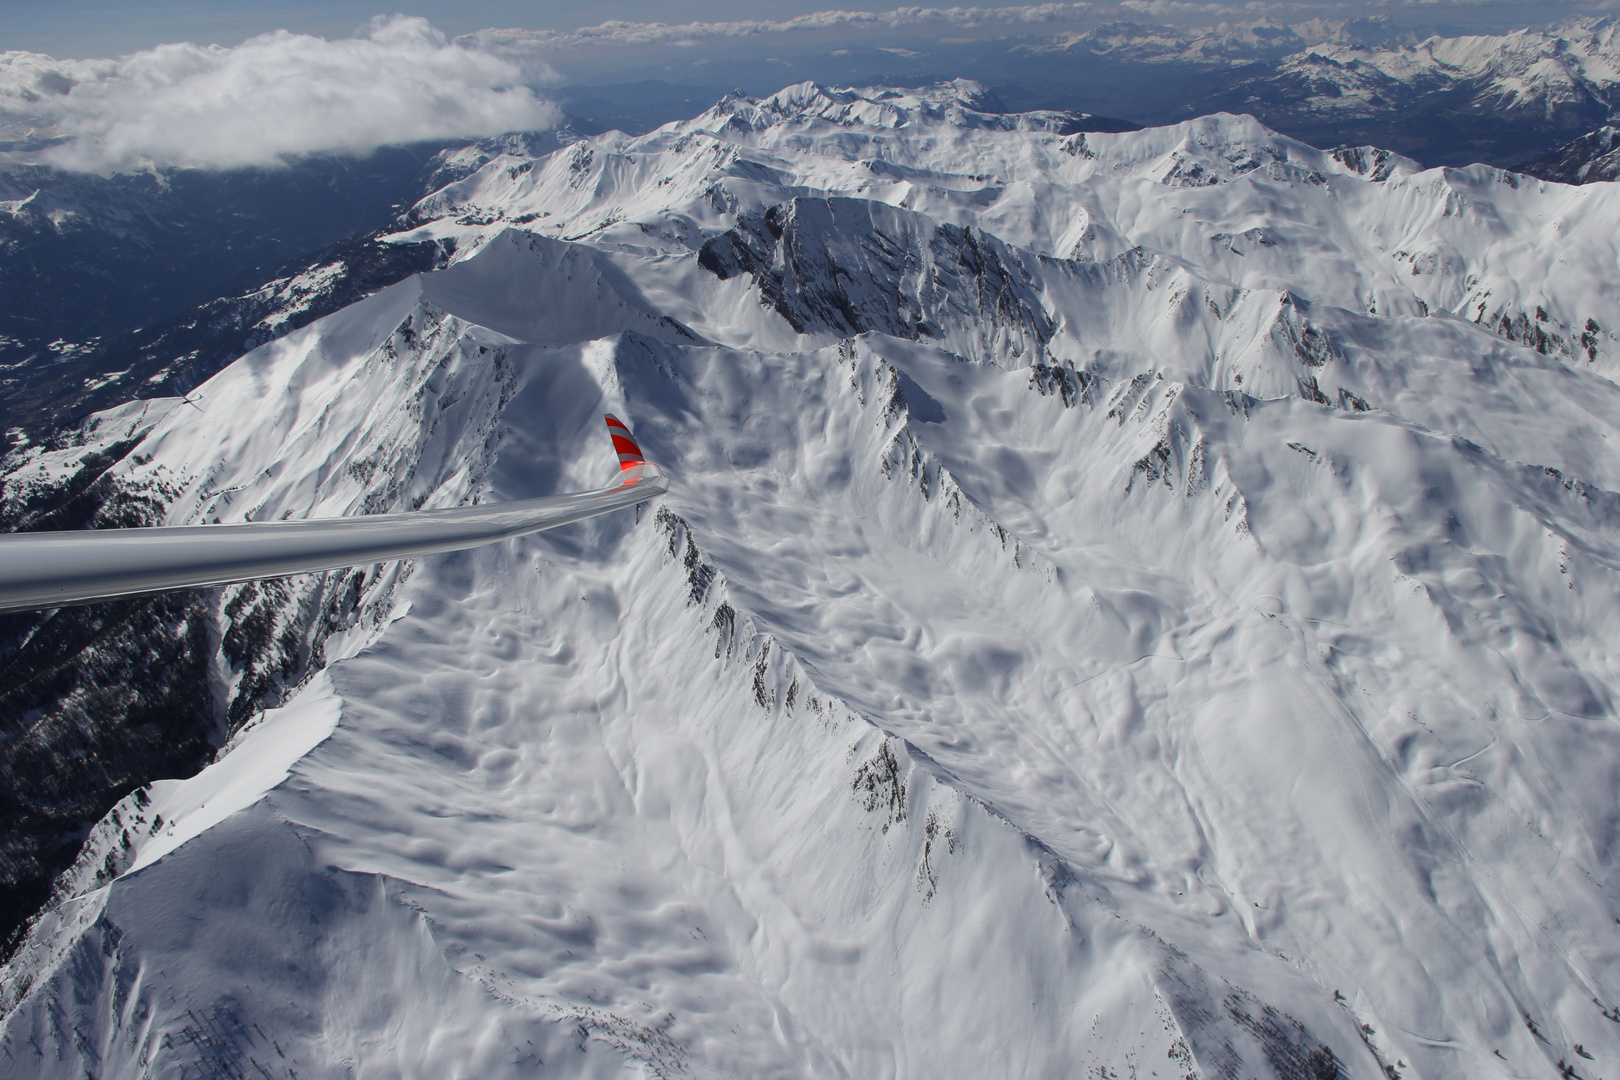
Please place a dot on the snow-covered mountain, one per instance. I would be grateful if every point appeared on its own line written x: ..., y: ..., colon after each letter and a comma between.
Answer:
x: 1539, y: 70
x: 1554, y: 75
x: 1127, y: 604
x: 1227, y: 43
x: 1444, y: 99
x: 103, y: 275
x: 1585, y: 160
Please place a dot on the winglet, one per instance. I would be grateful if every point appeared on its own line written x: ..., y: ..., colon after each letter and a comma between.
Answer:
x: 629, y: 453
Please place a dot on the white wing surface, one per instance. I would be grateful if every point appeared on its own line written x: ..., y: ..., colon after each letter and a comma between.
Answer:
x: 55, y: 569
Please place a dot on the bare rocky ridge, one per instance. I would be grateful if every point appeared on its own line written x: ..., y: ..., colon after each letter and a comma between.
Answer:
x: 1593, y: 157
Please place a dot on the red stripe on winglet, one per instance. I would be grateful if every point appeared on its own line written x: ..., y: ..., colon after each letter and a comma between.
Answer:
x: 623, y: 445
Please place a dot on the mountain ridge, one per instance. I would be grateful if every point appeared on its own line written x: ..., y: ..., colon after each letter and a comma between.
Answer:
x: 1124, y: 598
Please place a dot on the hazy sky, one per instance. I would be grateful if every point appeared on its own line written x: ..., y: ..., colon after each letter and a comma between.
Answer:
x: 105, y: 28
x: 93, y: 28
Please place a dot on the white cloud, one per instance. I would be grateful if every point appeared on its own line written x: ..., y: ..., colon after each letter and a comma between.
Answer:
x: 617, y: 33
x: 269, y: 99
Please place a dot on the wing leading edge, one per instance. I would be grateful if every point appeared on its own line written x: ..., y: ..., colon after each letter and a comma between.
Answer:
x: 57, y: 569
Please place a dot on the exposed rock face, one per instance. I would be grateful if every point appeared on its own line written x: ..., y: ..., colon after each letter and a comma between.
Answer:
x: 1592, y: 157
x: 98, y: 701
x: 850, y: 266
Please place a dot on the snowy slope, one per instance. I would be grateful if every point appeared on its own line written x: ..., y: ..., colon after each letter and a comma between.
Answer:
x: 1118, y: 611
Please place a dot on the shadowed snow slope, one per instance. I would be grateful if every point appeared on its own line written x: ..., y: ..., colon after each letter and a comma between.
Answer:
x: 1117, y: 612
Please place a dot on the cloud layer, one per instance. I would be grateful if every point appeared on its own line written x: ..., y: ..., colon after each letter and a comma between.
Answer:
x: 618, y: 33
x: 1015, y: 18
x: 271, y: 99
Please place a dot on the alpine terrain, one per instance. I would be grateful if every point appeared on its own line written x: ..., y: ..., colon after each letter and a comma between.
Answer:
x: 1127, y: 604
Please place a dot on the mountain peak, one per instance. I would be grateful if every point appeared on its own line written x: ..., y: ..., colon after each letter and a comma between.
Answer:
x: 958, y: 103
x: 1125, y: 597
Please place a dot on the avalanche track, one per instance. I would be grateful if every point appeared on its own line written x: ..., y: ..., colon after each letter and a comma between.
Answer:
x: 1126, y: 605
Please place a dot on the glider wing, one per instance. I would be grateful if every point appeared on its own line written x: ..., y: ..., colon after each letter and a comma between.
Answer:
x: 57, y: 569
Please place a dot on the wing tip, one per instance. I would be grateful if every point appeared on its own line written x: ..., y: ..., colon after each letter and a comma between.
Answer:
x: 624, y: 444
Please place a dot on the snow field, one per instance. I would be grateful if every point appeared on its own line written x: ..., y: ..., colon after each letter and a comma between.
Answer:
x: 1023, y: 696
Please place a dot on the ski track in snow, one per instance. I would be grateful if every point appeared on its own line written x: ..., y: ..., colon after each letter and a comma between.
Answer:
x: 1127, y: 605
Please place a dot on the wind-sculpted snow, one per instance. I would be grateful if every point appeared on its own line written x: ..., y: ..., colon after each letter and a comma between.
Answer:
x: 1103, y: 622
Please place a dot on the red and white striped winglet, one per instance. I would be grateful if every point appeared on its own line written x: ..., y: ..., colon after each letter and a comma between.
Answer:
x: 629, y: 453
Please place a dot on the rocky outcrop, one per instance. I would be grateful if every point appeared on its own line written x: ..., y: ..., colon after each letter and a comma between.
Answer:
x: 849, y: 266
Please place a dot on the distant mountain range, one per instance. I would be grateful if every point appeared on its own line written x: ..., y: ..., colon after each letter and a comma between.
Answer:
x: 144, y: 284
x: 1501, y: 99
